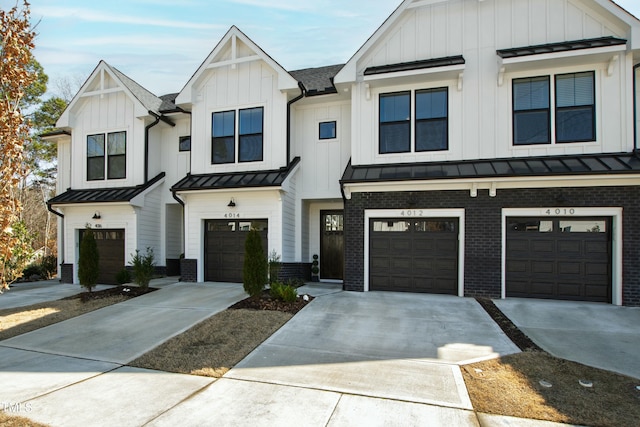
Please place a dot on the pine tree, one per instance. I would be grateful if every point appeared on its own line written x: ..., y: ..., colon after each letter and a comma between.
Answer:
x: 255, y: 265
x: 88, y: 264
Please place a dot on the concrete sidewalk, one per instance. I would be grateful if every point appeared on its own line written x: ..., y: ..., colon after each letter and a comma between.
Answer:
x: 23, y: 294
x: 601, y: 335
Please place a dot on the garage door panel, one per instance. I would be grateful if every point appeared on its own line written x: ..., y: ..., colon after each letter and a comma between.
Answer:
x: 566, y: 259
x: 413, y: 256
x: 110, y: 245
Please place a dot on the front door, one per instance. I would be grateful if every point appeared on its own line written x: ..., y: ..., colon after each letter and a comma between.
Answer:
x: 331, y: 245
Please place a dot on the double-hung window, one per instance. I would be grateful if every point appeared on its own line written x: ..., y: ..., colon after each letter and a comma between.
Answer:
x: 419, y: 126
x: 113, y: 160
x: 249, y: 131
x: 573, y: 106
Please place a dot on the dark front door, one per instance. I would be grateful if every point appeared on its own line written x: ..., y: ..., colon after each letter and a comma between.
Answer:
x: 224, y: 248
x: 331, y: 245
x: 110, y: 245
x: 418, y: 255
x: 559, y: 258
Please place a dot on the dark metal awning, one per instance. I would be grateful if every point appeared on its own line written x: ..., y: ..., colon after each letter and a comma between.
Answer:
x: 592, y: 164
x: 560, y: 47
x: 217, y: 181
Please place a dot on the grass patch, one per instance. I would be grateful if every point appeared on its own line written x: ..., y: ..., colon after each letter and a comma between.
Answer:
x: 215, y: 345
x: 20, y: 320
x: 511, y: 386
x: 7, y: 420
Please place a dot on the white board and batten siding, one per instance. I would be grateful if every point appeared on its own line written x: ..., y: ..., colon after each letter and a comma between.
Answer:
x: 204, y: 205
x: 480, y: 111
x: 175, y: 163
x: 150, y: 218
x: 322, y: 160
x: 248, y: 85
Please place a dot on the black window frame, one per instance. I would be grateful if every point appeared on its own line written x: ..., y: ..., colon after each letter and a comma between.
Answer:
x: 223, y: 139
x: 444, y: 119
x: 245, y: 137
x: 106, y: 159
x: 591, y: 107
x: 516, y: 113
x: 333, y: 123
x: 406, y: 123
x: 182, y: 143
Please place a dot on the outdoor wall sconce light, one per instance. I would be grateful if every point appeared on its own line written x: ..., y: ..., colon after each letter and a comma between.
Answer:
x: 96, y: 215
x: 232, y: 203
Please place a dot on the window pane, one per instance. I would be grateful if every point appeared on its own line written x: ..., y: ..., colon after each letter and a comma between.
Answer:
x: 221, y: 226
x: 431, y: 104
x: 575, y: 124
x: 224, y: 124
x: 435, y: 226
x: 391, y: 225
x: 395, y: 137
x: 250, y: 121
x: 530, y: 225
x: 250, y: 148
x: 395, y: 107
x: 583, y: 226
x: 327, y: 130
x: 95, y: 145
x: 117, y: 167
x: 574, y: 90
x: 431, y: 135
x: 117, y: 143
x: 223, y: 150
x: 95, y: 168
x: 531, y: 93
x: 531, y: 127
x: 185, y: 143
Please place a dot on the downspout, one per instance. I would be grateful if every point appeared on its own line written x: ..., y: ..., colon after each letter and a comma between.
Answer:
x: 635, y: 108
x: 178, y: 199
x: 303, y: 93
x: 146, y: 140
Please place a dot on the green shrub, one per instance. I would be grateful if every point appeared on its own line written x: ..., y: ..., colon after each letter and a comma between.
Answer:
x: 123, y: 277
x: 286, y: 293
x: 49, y: 266
x: 255, y: 265
x: 143, y: 267
x: 89, y: 261
x: 33, y: 269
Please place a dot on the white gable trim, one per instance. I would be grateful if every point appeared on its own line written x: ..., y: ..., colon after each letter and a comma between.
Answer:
x: 99, y: 71
x: 285, y: 80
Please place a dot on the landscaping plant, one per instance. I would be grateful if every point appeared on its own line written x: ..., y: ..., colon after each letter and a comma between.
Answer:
x: 123, y: 276
x: 283, y: 292
x: 88, y: 263
x: 143, y: 267
x: 255, y: 265
x: 274, y: 266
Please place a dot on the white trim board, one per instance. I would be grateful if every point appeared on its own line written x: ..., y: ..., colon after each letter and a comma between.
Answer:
x: 616, y: 239
x: 417, y: 213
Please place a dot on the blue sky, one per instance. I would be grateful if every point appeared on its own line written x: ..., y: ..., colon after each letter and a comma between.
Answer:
x: 160, y: 43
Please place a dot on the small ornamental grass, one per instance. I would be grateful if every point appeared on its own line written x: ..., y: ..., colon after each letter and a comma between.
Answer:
x: 283, y: 292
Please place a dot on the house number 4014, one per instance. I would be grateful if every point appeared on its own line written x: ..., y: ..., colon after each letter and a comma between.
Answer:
x: 232, y: 215
x: 560, y: 211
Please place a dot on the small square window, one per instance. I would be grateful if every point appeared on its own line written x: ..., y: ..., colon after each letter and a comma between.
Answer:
x: 185, y: 143
x: 328, y: 130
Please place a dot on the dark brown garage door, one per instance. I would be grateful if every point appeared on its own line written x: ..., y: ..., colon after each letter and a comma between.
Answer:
x: 410, y: 255
x: 224, y: 248
x: 559, y: 258
x: 111, y: 249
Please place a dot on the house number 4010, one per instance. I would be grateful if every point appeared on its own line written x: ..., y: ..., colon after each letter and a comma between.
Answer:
x: 561, y: 211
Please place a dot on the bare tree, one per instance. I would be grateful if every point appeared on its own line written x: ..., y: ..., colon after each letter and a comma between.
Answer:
x: 16, y: 75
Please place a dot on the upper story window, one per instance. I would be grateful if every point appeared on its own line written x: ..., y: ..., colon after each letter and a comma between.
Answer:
x: 428, y: 115
x: 249, y: 142
x: 113, y: 161
x: 573, y: 103
x: 184, y: 143
x: 327, y: 130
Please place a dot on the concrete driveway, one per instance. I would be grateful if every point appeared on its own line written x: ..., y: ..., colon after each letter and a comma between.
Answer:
x: 601, y: 335
x: 356, y: 358
x: 345, y: 359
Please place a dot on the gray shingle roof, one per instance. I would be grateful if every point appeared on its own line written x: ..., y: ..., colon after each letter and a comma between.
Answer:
x: 148, y: 99
x: 102, y: 195
x: 215, y: 181
x: 560, y: 47
x: 168, y: 103
x: 592, y: 164
x: 318, y: 81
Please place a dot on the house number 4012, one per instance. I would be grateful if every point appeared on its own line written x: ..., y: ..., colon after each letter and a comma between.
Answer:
x: 412, y: 212
x: 560, y: 211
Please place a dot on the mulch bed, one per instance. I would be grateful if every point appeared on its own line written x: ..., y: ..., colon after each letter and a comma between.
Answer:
x: 122, y: 290
x: 523, y: 342
x: 265, y: 302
